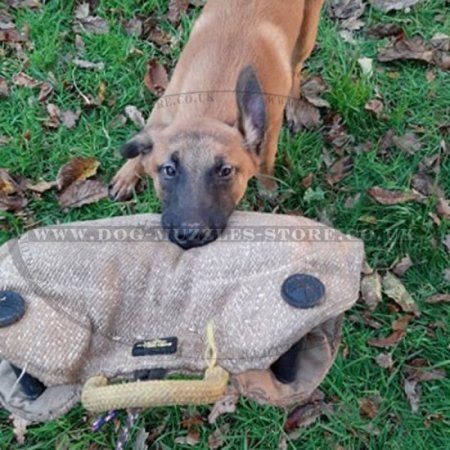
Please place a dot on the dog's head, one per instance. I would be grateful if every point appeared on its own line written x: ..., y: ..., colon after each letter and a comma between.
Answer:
x: 200, y: 168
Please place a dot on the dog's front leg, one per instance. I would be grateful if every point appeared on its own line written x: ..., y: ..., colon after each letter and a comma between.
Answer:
x: 125, y: 180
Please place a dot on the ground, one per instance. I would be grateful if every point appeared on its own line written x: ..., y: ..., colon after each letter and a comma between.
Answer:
x: 414, y: 98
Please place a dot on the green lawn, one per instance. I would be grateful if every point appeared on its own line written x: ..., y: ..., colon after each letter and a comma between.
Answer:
x: 412, y: 103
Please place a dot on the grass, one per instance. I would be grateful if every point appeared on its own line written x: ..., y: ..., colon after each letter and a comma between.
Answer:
x: 389, y: 232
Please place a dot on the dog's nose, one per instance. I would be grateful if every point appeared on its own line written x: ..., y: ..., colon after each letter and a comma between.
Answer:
x: 190, y: 235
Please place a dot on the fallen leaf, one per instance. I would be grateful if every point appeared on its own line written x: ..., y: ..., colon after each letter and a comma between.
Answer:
x: 341, y: 169
x: 79, y: 44
x: 308, y: 180
x: 443, y: 208
x: 156, y: 78
x: 389, y: 5
x: 371, y: 290
x: 192, y: 438
x: 135, y: 116
x: 430, y: 76
x: 225, y: 405
x: 158, y: 36
x: 386, y: 141
x: 384, y: 30
x: 336, y: 133
x: 346, y: 9
x: 69, y: 118
x: 12, y: 197
x: 52, y: 122
x: 369, y: 406
x: 304, y: 116
x: 384, y: 360
x: 140, y: 442
x: 22, y: 4
x: 352, y: 201
x: 386, y: 197
x: 88, y: 65
x: 425, y: 184
x: 89, y: 24
x: 389, y: 341
x: 401, y: 324
x: 366, y: 65
x: 304, y: 415
x: 4, y: 140
x: 41, y: 186
x: 192, y: 421
x: 176, y: 9
x: 412, y: 391
x: 403, y: 266
x: 446, y: 242
x: 312, y: 89
x: 406, y: 49
x: 375, y: 106
x: 82, y: 193
x: 422, y: 374
x: 396, y: 291
x: 45, y: 92
x: 4, y: 89
x: 78, y: 169
x: 215, y: 439
x: 19, y: 428
x: 22, y: 79
x: 133, y: 27
x: 438, y: 298
x: 447, y: 275
x: 409, y: 143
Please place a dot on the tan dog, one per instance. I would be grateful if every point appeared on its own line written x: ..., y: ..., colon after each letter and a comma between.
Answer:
x: 219, y: 121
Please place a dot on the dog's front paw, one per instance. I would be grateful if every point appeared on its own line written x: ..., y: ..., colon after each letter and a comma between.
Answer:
x: 122, y: 185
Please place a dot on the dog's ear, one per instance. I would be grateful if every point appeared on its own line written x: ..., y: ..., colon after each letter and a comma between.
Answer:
x: 252, y: 116
x: 141, y: 144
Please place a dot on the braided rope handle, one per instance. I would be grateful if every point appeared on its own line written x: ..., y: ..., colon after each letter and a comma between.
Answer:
x: 98, y: 396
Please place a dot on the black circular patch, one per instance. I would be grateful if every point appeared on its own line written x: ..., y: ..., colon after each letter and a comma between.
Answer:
x: 12, y: 308
x: 302, y: 291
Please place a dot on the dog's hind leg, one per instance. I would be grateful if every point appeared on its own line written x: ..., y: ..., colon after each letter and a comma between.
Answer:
x: 303, y: 49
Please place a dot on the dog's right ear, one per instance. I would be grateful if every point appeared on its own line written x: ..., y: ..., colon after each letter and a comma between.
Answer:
x: 141, y: 144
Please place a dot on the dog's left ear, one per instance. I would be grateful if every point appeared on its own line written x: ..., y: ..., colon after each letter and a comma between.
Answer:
x: 252, y: 116
x: 140, y: 144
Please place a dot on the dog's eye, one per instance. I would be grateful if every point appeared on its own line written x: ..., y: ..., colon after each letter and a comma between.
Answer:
x: 225, y: 171
x: 169, y: 170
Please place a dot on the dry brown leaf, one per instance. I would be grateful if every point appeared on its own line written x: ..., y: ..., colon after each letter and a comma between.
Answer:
x: 135, y: 116
x: 192, y: 438
x: 45, y: 92
x: 4, y: 89
x: 401, y: 324
x: 389, y: 341
x: 78, y: 169
x: 369, y: 406
x: 90, y: 24
x: 384, y: 360
x: 41, y: 186
x: 19, y: 428
x: 225, y: 405
x: 386, y: 197
x: 425, y: 184
x: 438, y: 298
x: 22, y: 4
x: 52, y: 122
x: 336, y: 134
x: 389, y: 5
x: 304, y: 415
x: 308, y: 180
x: 304, y: 116
x: 447, y: 275
x: 69, y: 118
x: 383, y: 30
x: 403, y: 266
x: 346, y: 9
x: 446, y: 242
x: 371, y: 290
x: 12, y: 197
x: 192, y: 421
x: 156, y: 78
x: 133, y: 27
x: 375, y: 106
x: 176, y: 9
x: 443, y: 208
x: 408, y: 143
x: 22, y: 79
x: 412, y: 391
x: 82, y: 193
x: 215, y: 439
x: 312, y: 89
x: 158, y: 36
x: 4, y: 140
x: 341, y: 169
x: 82, y: 64
x: 406, y: 49
x: 396, y: 291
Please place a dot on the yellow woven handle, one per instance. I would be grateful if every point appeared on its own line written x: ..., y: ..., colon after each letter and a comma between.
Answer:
x: 98, y: 396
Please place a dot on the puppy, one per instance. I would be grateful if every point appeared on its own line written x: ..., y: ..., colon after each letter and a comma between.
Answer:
x: 218, y: 123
